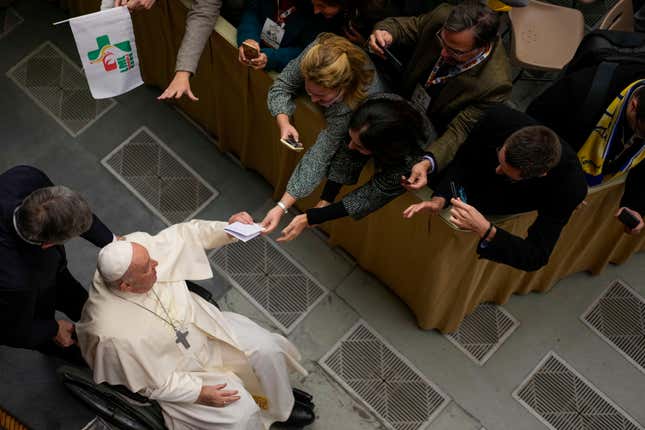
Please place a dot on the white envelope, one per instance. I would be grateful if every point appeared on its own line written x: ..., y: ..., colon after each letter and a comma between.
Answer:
x: 243, y: 232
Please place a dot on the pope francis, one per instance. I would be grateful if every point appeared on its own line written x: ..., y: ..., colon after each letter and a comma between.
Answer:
x: 143, y: 329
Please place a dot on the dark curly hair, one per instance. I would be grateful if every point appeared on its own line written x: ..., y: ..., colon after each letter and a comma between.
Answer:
x: 534, y: 150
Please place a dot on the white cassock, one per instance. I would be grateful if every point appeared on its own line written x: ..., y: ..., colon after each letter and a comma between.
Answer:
x: 125, y: 341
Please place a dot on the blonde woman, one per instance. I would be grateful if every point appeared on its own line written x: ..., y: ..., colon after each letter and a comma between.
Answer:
x: 337, y: 76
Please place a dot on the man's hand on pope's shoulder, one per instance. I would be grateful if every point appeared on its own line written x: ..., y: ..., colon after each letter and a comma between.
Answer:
x: 242, y: 217
x: 65, y: 332
x: 217, y: 396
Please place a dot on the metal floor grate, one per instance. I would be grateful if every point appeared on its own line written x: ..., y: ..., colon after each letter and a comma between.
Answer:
x: 9, y: 19
x: 618, y: 316
x: 483, y: 332
x: 59, y: 87
x: 383, y: 380
x: 98, y: 424
x: 283, y: 290
x: 159, y: 178
x: 564, y: 400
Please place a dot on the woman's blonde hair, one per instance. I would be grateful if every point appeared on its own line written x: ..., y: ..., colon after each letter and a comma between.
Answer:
x: 335, y: 62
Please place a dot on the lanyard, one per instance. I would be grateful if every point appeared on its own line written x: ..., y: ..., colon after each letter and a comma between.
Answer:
x: 180, y: 336
x: 284, y: 15
x: 457, y: 69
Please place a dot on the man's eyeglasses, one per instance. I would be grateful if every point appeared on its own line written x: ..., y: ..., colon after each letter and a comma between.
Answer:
x: 15, y: 226
x: 499, y: 160
x: 452, y: 51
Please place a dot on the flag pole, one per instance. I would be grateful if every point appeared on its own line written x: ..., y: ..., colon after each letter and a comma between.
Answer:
x: 91, y: 13
x: 63, y: 21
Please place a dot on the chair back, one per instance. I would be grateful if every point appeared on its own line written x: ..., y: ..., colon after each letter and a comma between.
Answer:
x: 620, y: 17
x: 545, y: 36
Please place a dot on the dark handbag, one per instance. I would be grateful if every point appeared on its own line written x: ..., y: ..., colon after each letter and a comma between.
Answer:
x: 610, y: 47
x: 605, y: 50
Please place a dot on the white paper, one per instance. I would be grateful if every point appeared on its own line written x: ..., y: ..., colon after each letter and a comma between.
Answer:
x: 243, y: 232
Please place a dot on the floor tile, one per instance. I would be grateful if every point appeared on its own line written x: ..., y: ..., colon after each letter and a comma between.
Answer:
x: 57, y: 85
x: 482, y: 332
x: 381, y: 378
x: 280, y: 287
x: 453, y: 417
x: 159, y: 177
x: 618, y: 317
x: 562, y: 398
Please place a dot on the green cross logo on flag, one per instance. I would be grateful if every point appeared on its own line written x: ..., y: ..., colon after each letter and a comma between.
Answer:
x: 112, y: 56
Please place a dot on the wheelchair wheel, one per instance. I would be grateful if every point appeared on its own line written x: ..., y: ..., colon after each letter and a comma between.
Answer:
x: 127, y: 411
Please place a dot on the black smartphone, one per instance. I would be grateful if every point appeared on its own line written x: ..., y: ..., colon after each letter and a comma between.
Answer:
x: 457, y: 192
x: 292, y: 143
x: 628, y: 219
x: 395, y: 61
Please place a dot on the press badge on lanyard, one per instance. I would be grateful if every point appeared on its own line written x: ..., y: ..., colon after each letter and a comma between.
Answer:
x: 420, y: 97
x: 273, y: 32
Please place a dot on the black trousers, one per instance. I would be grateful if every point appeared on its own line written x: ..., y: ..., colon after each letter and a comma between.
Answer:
x: 67, y: 296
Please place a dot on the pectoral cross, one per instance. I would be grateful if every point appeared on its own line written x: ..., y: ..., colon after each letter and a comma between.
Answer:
x: 182, y: 338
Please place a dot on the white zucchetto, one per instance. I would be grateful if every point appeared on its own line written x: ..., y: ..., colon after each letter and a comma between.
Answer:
x: 114, y: 260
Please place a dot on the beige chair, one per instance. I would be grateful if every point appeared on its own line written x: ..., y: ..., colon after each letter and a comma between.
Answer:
x: 620, y: 17
x: 545, y: 36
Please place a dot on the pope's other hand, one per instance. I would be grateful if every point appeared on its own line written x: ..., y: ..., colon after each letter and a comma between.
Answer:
x: 217, y: 396
x: 242, y: 217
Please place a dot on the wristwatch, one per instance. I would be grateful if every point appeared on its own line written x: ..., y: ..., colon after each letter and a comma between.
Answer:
x: 283, y: 207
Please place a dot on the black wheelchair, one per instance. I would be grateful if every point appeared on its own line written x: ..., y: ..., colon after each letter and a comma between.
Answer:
x: 115, y: 403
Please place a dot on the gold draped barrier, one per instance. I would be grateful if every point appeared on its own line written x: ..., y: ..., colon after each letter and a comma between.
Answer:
x: 8, y: 422
x: 429, y: 264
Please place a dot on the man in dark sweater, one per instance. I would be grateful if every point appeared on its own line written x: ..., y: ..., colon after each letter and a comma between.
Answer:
x: 511, y: 165
x: 35, y: 219
x: 565, y: 108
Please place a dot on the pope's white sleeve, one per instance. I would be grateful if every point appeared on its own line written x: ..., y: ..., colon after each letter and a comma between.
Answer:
x: 210, y: 234
x: 181, y: 387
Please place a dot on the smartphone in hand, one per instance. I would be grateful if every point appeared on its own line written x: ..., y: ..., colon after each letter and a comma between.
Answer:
x: 250, y: 51
x: 292, y: 143
x: 398, y: 65
x: 457, y: 192
x: 628, y: 219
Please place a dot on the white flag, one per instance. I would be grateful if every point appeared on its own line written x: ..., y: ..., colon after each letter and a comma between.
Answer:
x: 105, y: 42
